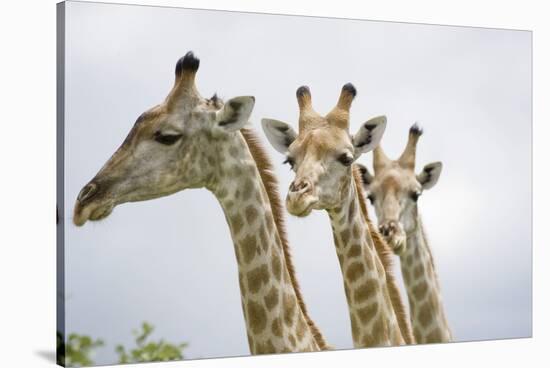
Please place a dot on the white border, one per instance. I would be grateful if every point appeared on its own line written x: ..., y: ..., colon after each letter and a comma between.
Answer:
x: 27, y: 178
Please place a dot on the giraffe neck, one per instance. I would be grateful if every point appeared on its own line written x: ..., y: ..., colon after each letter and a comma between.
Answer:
x: 426, y: 305
x: 275, y: 320
x: 373, y: 319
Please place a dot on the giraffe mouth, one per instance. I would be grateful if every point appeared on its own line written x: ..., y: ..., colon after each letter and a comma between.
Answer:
x: 399, y: 248
x: 91, y: 212
x: 397, y: 242
x: 301, y: 207
x: 305, y: 212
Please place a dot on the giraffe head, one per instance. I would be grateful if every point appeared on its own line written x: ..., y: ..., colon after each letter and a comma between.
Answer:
x: 322, y: 152
x: 395, y: 188
x: 171, y: 147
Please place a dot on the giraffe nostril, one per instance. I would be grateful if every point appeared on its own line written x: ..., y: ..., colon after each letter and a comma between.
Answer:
x: 301, y: 186
x: 387, y: 228
x: 87, y: 192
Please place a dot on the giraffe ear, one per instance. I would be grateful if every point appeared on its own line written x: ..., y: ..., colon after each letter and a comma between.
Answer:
x: 235, y: 113
x: 279, y: 134
x: 430, y: 175
x: 369, y: 135
x: 366, y: 176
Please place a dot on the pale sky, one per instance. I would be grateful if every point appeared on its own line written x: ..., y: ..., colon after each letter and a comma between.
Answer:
x: 470, y: 88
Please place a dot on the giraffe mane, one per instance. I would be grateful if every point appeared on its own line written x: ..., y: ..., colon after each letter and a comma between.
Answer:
x: 271, y: 185
x: 385, y: 254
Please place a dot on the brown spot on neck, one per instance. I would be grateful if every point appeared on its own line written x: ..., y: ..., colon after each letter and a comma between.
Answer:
x: 257, y: 278
x: 367, y: 313
x: 251, y: 214
x: 289, y: 309
x: 272, y: 298
x: 249, y: 248
x: 257, y: 317
x: 355, y: 271
x: 366, y: 290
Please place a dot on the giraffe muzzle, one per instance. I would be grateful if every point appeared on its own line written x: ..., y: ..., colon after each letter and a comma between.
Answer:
x: 91, y: 204
x: 395, y: 236
x: 300, y: 199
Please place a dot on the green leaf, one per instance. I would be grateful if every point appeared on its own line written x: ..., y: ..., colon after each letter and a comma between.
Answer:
x: 149, y: 351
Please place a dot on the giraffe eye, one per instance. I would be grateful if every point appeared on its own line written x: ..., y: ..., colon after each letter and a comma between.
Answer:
x: 371, y: 198
x: 345, y: 159
x: 289, y: 160
x: 166, y: 139
x: 415, y: 195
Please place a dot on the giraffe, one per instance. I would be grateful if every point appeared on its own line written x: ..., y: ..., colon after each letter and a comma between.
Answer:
x: 188, y: 141
x: 394, y: 190
x: 322, y: 154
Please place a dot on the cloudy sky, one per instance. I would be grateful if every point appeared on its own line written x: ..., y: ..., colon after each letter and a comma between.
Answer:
x: 470, y: 89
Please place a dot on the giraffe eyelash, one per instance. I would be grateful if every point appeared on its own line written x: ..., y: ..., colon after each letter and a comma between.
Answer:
x: 371, y: 198
x: 415, y: 195
x: 345, y: 159
x: 166, y: 139
x: 290, y: 161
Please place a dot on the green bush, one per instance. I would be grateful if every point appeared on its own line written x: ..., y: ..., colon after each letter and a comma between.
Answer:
x: 78, y: 350
x: 149, y: 351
